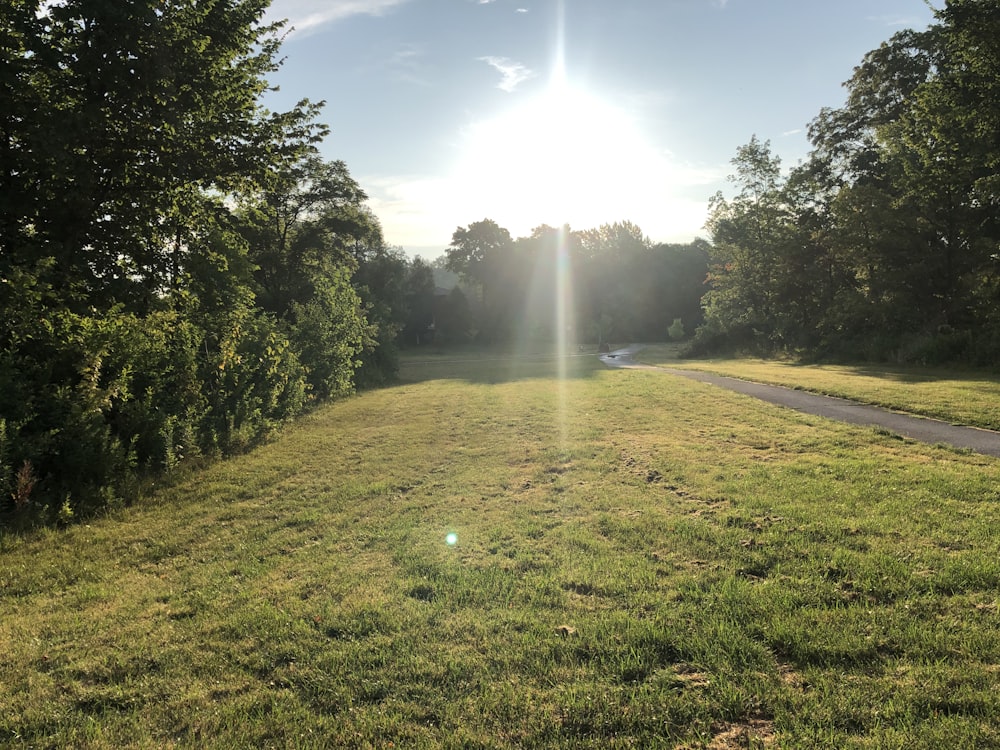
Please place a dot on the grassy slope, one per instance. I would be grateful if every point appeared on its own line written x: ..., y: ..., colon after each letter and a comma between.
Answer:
x: 641, y: 561
x: 963, y: 397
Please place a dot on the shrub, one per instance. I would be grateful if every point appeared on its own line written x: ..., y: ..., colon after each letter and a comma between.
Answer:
x: 329, y: 334
x: 254, y: 381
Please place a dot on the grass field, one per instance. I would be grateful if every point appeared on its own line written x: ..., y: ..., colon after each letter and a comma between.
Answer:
x: 638, y: 560
x: 963, y: 397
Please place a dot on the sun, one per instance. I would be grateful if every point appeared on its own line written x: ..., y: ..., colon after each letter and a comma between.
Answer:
x: 565, y: 156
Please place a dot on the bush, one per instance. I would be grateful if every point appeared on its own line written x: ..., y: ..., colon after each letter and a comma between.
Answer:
x: 329, y: 334
x: 253, y: 380
x: 57, y: 390
x: 92, y: 403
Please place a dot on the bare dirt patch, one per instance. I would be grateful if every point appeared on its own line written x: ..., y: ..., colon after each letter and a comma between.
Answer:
x: 755, y: 733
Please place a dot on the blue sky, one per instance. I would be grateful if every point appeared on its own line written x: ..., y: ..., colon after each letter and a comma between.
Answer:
x: 583, y: 112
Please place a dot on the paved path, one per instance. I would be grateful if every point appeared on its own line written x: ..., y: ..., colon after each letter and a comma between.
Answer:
x: 918, y: 428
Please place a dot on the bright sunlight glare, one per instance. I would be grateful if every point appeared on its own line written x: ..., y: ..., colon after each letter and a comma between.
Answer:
x: 564, y: 330
x: 564, y: 157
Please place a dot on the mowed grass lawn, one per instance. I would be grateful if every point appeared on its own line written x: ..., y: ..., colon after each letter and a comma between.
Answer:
x: 967, y: 397
x: 639, y: 561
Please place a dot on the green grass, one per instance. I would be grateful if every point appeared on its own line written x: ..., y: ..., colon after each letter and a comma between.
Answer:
x: 962, y: 397
x: 641, y: 561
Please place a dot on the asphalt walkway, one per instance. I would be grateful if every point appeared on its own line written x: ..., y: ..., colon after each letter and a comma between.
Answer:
x: 918, y: 428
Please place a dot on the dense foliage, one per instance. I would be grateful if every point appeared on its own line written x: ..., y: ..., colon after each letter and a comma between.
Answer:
x: 885, y: 243
x: 592, y: 286
x: 179, y: 271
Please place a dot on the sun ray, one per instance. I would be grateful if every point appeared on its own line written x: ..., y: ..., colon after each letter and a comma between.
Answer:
x: 564, y: 326
x: 558, y: 78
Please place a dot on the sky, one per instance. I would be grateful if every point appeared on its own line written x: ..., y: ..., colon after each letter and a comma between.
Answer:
x: 578, y: 112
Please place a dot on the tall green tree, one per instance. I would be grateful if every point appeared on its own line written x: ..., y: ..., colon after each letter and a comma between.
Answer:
x: 140, y: 112
x: 380, y: 280
x: 911, y: 149
x: 482, y: 254
x: 610, y: 259
x: 300, y: 225
x: 310, y: 236
x: 674, y: 283
x: 947, y: 144
x: 885, y: 242
x: 129, y: 328
x: 748, y: 234
x: 478, y: 253
x: 419, y: 291
x: 541, y: 283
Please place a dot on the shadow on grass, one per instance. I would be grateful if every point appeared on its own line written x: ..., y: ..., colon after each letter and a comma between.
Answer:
x: 904, y: 373
x: 492, y: 366
x: 673, y: 354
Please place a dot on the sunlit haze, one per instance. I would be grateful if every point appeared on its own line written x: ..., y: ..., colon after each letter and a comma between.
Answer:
x: 578, y: 113
x: 567, y: 156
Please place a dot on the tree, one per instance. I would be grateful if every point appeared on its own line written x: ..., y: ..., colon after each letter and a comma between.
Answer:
x: 301, y: 225
x: 419, y: 293
x: 536, y: 286
x: 454, y: 321
x: 309, y: 234
x: 611, y: 259
x: 330, y: 334
x: 748, y: 236
x: 483, y: 256
x: 380, y: 281
x: 478, y: 252
x: 129, y: 328
x: 851, y: 192
x: 910, y: 157
x: 884, y: 241
x: 674, y: 284
x: 949, y: 151
x: 127, y: 121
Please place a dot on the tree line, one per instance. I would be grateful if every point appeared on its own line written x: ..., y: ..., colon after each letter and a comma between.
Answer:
x: 180, y: 271
x: 885, y: 243
x: 582, y: 287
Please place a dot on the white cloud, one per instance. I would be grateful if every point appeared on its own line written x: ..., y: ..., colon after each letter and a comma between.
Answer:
x: 513, y: 73
x: 521, y: 10
x: 407, y: 64
x: 908, y: 22
x: 306, y: 16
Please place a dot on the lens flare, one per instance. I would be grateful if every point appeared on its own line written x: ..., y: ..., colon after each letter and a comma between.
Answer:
x: 564, y: 326
x: 451, y: 540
